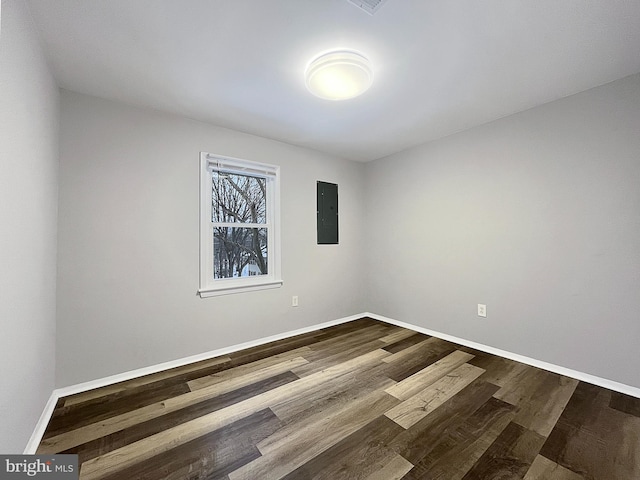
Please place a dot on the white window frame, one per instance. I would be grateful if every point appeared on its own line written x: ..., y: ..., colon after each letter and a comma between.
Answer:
x: 209, y: 286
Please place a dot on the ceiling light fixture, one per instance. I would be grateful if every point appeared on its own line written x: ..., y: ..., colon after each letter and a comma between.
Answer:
x: 339, y: 75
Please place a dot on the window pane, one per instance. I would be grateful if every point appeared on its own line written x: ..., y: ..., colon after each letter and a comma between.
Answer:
x: 239, y: 252
x: 238, y: 198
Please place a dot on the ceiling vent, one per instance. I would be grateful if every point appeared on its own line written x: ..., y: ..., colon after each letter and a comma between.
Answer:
x: 369, y: 6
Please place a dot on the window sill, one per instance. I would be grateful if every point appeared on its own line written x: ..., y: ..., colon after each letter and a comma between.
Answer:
x: 231, y: 289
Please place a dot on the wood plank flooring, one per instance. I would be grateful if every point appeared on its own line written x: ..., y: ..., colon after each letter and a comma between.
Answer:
x: 363, y: 400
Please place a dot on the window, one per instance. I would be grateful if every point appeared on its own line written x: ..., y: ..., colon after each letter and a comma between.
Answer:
x: 239, y: 226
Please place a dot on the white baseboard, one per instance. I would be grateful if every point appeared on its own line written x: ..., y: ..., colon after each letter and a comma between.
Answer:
x: 36, y: 436
x: 43, y: 421
x: 140, y: 372
x: 585, y: 377
x: 39, y: 430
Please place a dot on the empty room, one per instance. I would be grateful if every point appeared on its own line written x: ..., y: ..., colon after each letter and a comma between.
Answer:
x: 342, y: 239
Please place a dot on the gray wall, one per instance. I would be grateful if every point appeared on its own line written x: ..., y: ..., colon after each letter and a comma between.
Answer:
x: 28, y: 206
x: 536, y: 215
x: 128, y: 242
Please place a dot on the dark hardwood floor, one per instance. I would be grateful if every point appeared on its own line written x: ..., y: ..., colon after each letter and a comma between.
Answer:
x: 362, y: 400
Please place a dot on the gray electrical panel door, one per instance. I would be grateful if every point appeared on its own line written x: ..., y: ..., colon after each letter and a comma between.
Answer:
x: 327, y: 194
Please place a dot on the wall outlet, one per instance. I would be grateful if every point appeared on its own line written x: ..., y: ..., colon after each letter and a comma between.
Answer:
x: 294, y: 301
x: 482, y: 310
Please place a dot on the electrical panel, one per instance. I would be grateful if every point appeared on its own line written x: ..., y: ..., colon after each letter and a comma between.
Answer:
x: 327, y: 211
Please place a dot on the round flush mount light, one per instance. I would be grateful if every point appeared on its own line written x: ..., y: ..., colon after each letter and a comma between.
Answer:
x: 339, y: 75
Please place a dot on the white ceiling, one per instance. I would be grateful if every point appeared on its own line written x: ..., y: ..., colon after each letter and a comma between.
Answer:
x: 440, y: 66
